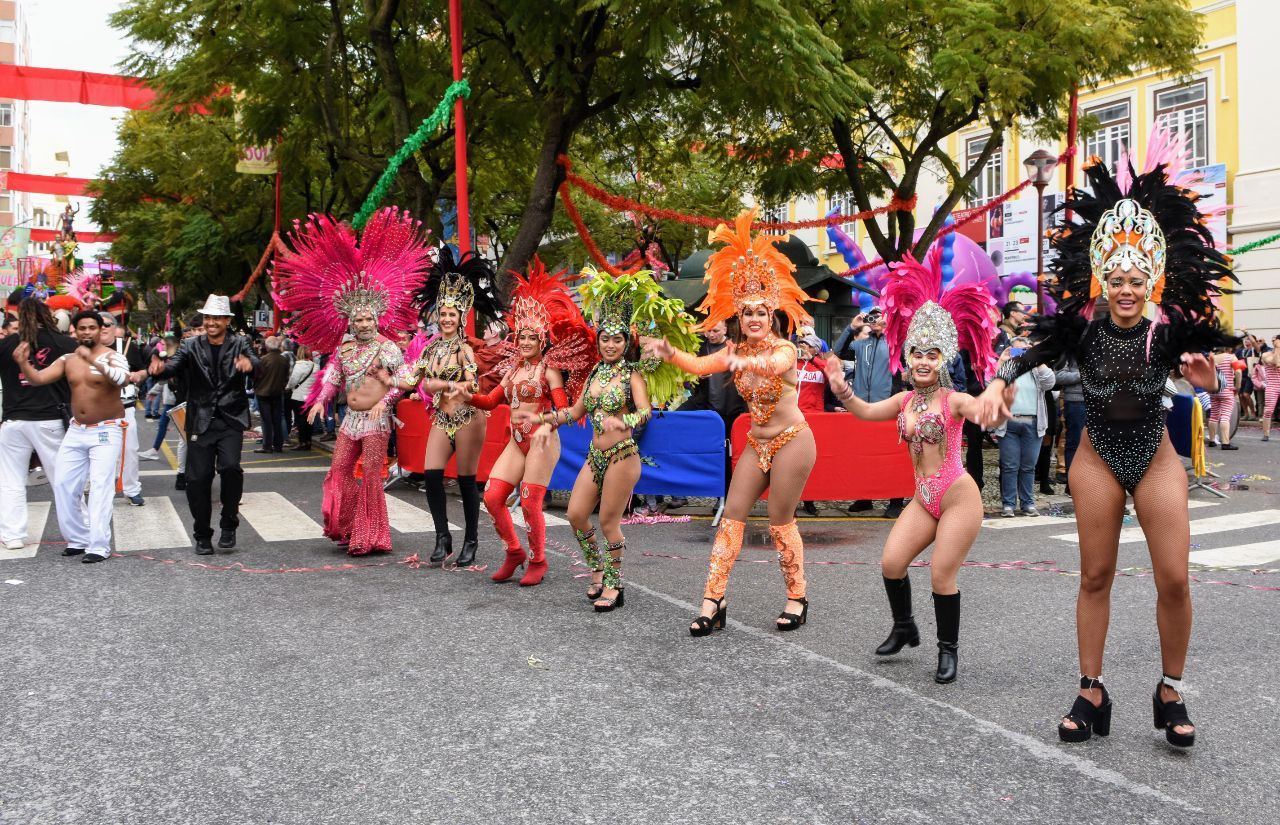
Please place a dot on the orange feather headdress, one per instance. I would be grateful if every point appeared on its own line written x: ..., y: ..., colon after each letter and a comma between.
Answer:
x: 750, y: 271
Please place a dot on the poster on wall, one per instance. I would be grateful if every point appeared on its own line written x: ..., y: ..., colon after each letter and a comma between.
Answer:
x: 13, y: 248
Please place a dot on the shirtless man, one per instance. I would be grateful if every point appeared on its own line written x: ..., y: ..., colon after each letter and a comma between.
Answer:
x: 355, y: 514
x: 93, y: 447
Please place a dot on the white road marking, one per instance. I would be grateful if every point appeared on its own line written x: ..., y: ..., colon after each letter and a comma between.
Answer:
x: 1199, y: 527
x: 274, y: 518
x: 153, y: 526
x: 37, y: 515
x: 1241, y: 555
x: 999, y: 523
x: 405, y: 518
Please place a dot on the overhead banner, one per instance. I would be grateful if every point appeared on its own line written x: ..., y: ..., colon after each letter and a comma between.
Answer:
x: 13, y: 247
x: 257, y: 160
x: 46, y: 184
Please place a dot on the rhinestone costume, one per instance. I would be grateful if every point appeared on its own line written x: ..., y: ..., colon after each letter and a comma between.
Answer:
x: 933, y: 428
x: 1122, y: 375
x: 447, y: 360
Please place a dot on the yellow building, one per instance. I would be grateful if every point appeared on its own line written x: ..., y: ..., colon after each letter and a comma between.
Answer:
x: 1227, y: 106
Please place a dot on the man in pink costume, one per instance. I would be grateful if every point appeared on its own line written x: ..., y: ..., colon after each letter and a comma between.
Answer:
x: 332, y: 288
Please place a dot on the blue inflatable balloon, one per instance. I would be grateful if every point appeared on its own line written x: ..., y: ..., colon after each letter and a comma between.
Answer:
x: 948, y: 254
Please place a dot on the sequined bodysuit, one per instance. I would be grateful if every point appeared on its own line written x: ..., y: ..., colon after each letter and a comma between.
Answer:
x: 446, y: 360
x: 933, y: 428
x: 761, y: 392
x: 1122, y: 376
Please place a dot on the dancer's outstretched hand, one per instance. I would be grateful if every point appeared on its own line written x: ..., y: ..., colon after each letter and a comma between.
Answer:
x: 317, y: 410
x: 243, y: 364
x: 658, y: 347
x: 156, y: 366
x: 992, y: 404
x: 1199, y: 371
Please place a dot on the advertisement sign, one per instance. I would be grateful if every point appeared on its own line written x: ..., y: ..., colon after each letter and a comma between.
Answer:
x: 257, y: 160
x: 13, y: 247
x: 1213, y: 194
x: 1019, y: 233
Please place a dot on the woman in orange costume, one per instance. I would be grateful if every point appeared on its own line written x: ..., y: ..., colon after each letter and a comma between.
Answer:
x: 751, y: 279
x: 551, y: 349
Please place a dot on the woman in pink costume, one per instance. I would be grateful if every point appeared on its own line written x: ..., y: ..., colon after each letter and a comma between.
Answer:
x: 929, y: 331
x: 332, y: 288
x: 1270, y: 365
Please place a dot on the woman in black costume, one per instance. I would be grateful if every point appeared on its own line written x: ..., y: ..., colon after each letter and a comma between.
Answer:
x: 1130, y: 244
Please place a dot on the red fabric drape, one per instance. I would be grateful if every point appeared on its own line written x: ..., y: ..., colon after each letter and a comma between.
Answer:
x: 46, y: 184
x: 69, y: 86
x: 47, y: 236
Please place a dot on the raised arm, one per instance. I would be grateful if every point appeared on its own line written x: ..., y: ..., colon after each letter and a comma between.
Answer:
x: 780, y: 360
x: 885, y: 410
x: 114, y: 366
x: 700, y: 365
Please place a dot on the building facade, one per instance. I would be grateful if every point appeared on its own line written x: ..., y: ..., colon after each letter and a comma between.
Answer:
x: 15, y: 115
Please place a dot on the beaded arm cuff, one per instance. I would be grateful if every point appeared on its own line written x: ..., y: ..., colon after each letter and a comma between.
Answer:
x: 489, y: 400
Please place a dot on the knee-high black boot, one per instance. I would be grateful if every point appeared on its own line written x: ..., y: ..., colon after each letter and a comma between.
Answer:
x: 433, y: 483
x: 946, y: 611
x: 471, y: 513
x: 904, y: 624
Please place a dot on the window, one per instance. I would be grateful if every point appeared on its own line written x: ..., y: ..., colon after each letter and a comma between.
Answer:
x: 6, y: 202
x: 6, y: 157
x: 1112, y: 135
x: 1185, y: 111
x: 773, y: 214
x: 7, y: 31
x: 6, y: 114
x: 989, y: 184
x: 845, y: 205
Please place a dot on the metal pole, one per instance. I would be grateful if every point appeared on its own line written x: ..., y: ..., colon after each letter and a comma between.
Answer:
x: 460, y: 144
x: 1039, y: 246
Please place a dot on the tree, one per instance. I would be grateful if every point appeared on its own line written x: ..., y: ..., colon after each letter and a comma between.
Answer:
x: 937, y: 67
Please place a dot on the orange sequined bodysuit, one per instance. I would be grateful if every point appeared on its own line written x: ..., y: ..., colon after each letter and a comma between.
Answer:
x: 761, y: 392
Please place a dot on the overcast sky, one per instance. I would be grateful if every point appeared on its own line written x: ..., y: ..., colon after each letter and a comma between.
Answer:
x: 74, y: 34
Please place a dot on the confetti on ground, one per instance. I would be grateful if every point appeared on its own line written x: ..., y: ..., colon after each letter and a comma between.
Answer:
x: 13, y: 581
x: 536, y: 663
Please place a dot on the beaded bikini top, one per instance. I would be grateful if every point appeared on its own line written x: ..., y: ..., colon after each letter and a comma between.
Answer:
x: 614, y: 396
x: 761, y: 392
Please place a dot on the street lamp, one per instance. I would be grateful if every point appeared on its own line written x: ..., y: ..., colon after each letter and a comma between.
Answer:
x: 1040, y: 167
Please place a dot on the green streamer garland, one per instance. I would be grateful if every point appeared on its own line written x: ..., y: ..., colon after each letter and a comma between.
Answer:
x: 437, y: 120
x: 1252, y: 245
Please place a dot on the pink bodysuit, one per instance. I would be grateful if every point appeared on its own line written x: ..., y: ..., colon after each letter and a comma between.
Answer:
x: 933, y: 428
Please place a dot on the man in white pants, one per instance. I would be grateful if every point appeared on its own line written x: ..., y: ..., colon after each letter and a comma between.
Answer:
x: 115, y: 336
x: 93, y: 448
x: 33, y: 416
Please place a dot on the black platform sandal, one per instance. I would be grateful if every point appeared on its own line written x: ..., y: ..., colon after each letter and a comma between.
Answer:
x: 1170, y: 715
x: 791, y: 621
x: 603, y: 605
x: 1087, y: 717
x: 703, y: 625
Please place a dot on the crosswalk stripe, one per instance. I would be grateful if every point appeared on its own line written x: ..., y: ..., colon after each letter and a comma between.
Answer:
x: 1242, y: 555
x: 999, y: 523
x: 274, y: 518
x: 1199, y: 527
x: 37, y: 515
x: 517, y: 515
x: 405, y: 518
x: 153, y: 526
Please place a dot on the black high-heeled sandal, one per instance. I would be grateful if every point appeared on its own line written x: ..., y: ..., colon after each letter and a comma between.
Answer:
x: 703, y: 625
x: 1087, y: 717
x: 1170, y: 715
x: 596, y: 588
x: 604, y: 605
x: 791, y: 621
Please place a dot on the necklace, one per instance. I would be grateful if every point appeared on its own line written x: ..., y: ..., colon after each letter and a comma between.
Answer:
x: 923, y: 395
x: 606, y: 372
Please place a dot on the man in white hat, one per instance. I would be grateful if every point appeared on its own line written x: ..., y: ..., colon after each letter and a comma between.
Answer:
x: 213, y: 366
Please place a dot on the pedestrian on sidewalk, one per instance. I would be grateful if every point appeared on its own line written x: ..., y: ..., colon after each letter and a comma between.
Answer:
x: 301, y: 380
x: 93, y: 448
x: 213, y: 367
x: 269, y: 382
x: 34, y: 418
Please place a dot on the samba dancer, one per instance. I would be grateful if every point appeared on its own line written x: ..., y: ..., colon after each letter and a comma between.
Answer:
x: 1135, y: 239
x: 617, y: 399
x: 451, y: 290
x: 548, y: 339
x: 332, y: 286
x: 751, y: 279
x: 925, y: 330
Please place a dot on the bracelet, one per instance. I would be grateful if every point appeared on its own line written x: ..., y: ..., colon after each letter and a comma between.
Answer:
x: 846, y: 394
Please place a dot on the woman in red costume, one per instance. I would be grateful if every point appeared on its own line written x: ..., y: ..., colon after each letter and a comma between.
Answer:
x: 549, y: 339
x: 946, y: 510
x: 750, y: 279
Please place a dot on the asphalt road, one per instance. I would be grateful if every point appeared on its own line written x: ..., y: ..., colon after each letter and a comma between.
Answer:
x: 156, y: 689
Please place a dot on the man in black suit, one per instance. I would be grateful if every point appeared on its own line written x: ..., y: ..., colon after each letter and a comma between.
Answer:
x: 213, y: 367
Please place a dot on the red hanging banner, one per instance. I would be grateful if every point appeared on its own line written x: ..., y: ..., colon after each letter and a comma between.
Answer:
x: 69, y: 86
x: 46, y: 184
x: 48, y: 236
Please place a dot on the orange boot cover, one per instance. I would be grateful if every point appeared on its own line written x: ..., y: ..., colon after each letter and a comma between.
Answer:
x: 723, y: 554
x: 790, y: 557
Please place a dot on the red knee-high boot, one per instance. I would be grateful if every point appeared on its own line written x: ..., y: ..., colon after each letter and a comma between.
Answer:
x: 495, y: 501
x: 531, y: 496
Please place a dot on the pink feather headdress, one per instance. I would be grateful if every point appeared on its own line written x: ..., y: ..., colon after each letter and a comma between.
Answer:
x: 331, y: 277
x: 919, y: 314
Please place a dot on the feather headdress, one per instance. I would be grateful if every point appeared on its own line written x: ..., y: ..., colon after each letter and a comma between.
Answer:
x: 920, y: 315
x: 633, y: 305
x: 750, y: 271
x: 462, y: 284
x: 330, y: 277
x: 542, y: 303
